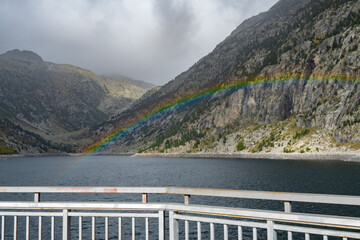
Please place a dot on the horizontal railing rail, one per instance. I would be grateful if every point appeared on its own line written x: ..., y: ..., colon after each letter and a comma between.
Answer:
x: 271, y: 221
x: 263, y: 195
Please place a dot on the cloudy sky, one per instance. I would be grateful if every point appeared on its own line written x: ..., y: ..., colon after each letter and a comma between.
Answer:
x: 151, y: 40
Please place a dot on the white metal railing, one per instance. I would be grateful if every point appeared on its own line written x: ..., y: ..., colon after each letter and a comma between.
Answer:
x: 179, y: 215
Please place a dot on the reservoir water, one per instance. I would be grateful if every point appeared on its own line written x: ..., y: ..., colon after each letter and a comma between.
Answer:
x: 329, y: 177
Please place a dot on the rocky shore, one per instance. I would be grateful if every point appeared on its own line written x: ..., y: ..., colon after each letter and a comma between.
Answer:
x: 350, y: 157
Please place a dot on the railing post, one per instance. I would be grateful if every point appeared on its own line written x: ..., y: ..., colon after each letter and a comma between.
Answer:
x: 133, y: 231
x: 226, y: 232
x: 93, y: 228
x: 40, y: 228
x: 145, y: 198
x: 36, y: 197
x: 106, y: 228
x: 146, y: 228
x: 15, y: 227
x: 271, y: 234
x: 2, y: 227
x: 66, y: 225
x: 53, y: 228
x: 161, y: 225
x: 198, y: 230
x: 240, y: 232
x: 119, y: 229
x: 287, y: 207
x: 187, y: 199
x: 27, y: 231
x: 173, y: 226
x: 212, y: 231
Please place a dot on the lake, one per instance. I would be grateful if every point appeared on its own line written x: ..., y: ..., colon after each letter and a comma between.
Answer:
x: 330, y: 177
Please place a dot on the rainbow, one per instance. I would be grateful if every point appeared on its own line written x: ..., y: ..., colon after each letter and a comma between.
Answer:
x: 110, y: 141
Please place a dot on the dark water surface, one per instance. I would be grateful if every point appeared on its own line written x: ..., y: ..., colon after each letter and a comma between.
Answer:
x: 330, y: 177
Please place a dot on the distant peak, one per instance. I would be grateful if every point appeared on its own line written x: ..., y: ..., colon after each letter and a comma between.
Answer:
x: 17, y: 54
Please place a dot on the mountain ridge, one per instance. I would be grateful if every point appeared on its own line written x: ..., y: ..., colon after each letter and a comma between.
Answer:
x: 56, y: 100
x: 283, y: 43
x: 24, y: 55
x: 139, y: 83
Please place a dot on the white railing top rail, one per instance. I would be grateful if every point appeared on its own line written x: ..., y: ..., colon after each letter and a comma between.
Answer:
x: 322, y: 220
x: 264, y: 195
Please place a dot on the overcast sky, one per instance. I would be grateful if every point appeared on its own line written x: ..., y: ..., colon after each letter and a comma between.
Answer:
x: 150, y: 40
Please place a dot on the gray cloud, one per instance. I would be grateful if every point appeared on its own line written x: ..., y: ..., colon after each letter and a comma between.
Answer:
x: 176, y: 18
x: 152, y: 40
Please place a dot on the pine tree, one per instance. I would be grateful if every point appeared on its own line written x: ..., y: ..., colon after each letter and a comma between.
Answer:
x: 335, y: 44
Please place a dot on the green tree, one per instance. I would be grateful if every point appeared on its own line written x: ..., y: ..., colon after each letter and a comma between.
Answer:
x: 240, y: 146
x: 335, y: 44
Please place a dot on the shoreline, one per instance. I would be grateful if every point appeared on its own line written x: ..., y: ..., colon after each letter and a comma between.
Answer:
x: 335, y: 156
x: 346, y: 157
x: 5, y: 157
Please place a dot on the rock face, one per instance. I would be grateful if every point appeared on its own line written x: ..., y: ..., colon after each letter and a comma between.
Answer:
x: 54, y: 100
x: 295, y: 41
x: 285, y: 116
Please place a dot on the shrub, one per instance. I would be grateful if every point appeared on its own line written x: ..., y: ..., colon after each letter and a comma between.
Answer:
x: 7, y: 151
x: 286, y: 150
x: 240, y: 146
x: 301, y: 134
x: 197, y: 143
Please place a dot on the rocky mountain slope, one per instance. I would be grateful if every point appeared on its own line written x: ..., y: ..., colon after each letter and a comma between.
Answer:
x: 139, y: 83
x: 16, y: 140
x: 53, y: 100
x: 295, y: 72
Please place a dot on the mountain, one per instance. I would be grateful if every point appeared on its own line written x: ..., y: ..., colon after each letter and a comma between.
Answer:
x: 139, y: 83
x: 284, y: 80
x: 55, y: 100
